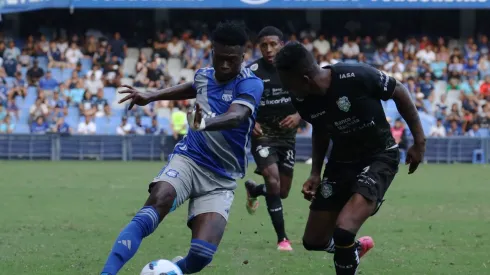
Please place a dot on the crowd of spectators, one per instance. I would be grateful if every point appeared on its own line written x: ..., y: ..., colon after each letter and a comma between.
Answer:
x: 448, y: 81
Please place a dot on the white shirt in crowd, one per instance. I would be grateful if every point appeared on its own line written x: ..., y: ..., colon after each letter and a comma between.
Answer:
x: 427, y: 56
x: 175, y: 49
x: 73, y: 55
x: 86, y: 129
x: 438, y: 131
x: 62, y: 46
x: 204, y: 44
x: 98, y: 74
x: 400, y: 67
x: 322, y: 46
x: 391, y: 45
x: 123, y: 130
x: 328, y: 62
x: 93, y: 85
x: 350, y: 50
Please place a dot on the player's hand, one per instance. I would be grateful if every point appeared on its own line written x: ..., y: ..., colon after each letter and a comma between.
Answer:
x: 137, y: 97
x: 310, y: 186
x: 291, y: 121
x: 415, y: 155
x: 195, y: 118
x: 257, y: 131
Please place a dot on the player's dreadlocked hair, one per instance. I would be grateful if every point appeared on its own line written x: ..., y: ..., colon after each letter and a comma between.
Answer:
x: 294, y: 56
x: 230, y: 33
x: 270, y: 31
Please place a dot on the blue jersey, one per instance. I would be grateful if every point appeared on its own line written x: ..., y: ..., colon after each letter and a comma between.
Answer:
x: 223, y: 152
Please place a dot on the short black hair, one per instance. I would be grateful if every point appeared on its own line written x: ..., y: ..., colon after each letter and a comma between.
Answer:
x: 294, y: 56
x: 270, y: 31
x: 230, y: 33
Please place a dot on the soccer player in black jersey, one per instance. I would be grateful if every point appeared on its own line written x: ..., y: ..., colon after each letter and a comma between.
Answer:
x: 342, y: 102
x: 273, y: 138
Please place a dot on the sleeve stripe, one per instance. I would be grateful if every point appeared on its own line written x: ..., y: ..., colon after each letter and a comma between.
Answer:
x: 245, y: 103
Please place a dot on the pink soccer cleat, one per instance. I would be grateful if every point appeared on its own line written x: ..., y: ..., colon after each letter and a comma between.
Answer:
x: 366, y: 243
x: 284, y: 245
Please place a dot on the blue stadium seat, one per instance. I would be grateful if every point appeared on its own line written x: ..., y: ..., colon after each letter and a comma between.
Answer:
x: 109, y: 94
x: 10, y: 81
x: 43, y: 62
x: 66, y: 74
x: 21, y: 128
x: 146, y: 120
x: 484, y: 132
x: 101, y: 124
x: 23, y: 72
x: 165, y: 125
x: 57, y: 75
x: 86, y: 64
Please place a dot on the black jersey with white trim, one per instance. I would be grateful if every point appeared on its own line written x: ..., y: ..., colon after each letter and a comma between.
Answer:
x: 351, y: 111
x: 275, y: 104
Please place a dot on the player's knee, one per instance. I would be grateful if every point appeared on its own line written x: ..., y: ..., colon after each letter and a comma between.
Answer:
x: 273, y: 187
x: 343, y: 238
x: 200, y: 255
x: 162, y: 197
x: 284, y: 194
x: 311, y: 246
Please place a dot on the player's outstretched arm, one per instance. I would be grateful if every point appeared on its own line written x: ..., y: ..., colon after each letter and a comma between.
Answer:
x: 249, y: 92
x: 409, y: 113
x: 178, y: 92
x: 236, y: 114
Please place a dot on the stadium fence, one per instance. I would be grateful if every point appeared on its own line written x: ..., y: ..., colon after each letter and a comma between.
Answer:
x: 57, y: 147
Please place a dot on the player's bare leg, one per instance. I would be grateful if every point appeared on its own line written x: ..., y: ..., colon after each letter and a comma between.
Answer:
x: 319, y: 231
x: 272, y: 195
x: 158, y: 205
x: 350, y: 219
x: 207, y: 231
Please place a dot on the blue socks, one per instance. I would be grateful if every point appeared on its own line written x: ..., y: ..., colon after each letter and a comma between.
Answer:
x: 200, y: 255
x: 129, y: 240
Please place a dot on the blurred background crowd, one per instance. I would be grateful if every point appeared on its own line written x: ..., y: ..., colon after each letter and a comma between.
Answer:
x: 66, y: 82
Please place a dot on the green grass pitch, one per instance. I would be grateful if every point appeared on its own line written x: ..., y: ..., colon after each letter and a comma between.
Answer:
x: 62, y: 218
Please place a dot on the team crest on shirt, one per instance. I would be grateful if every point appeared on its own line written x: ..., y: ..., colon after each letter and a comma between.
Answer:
x: 227, y: 95
x: 344, y: 104
x: 254, y: 67
x: 172, y: 173
x: 263, y: 151
x: 327, y: 189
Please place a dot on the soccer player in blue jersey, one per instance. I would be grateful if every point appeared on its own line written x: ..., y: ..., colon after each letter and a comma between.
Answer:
x: 205, y: 164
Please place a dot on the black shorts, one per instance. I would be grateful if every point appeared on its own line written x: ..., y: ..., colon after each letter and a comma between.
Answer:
x: 370, y: 177
x: 266, y: 152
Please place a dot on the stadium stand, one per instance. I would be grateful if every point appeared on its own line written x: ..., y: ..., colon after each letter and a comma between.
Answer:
x: 71, y: 82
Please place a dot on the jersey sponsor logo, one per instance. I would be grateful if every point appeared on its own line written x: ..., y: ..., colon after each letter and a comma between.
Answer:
x: 208, y: 115
x: 278, y: 91
x: 254, y: 67
x: 384, y: 80
x: 300, y: 99
x: 347, y: 75
x: 313, y: 116
x: 227, y: 95
x: 282, y: 100
x: 263, y: 151
x: 172, y: 173
x: 255, y: 2
x: 327, y: 190
x: 344, y: 104
x: 266, y: 80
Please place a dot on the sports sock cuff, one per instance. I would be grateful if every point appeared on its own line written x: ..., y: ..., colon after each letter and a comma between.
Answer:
x: 203, y: 248
x: 148, y: 218
x: 343, y: 238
